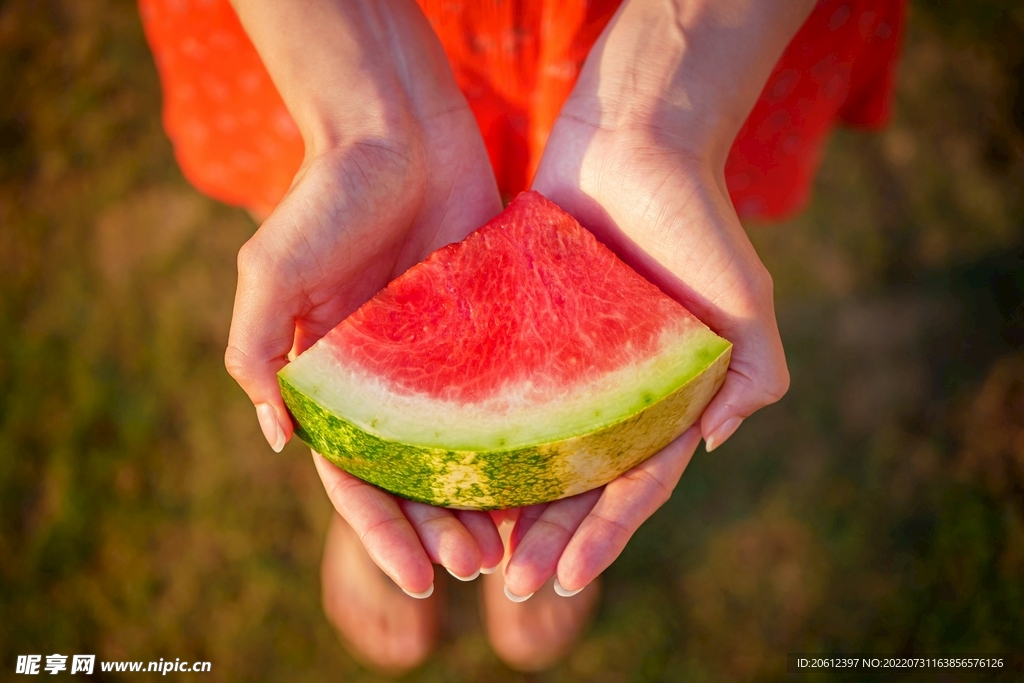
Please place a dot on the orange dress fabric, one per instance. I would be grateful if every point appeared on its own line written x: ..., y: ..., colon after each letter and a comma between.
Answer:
x: 516, y: 62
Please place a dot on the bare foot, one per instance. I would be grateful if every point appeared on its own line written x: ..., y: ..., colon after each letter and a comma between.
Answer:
x: 381, y: 626
x: 533, y: 635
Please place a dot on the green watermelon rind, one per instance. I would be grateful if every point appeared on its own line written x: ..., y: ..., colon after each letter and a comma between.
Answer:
x: 507, y: 478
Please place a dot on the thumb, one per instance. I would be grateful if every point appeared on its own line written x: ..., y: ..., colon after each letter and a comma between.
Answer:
x: 262, y: 333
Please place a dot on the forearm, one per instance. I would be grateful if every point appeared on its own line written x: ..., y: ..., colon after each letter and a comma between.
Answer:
x: 690, y: 70
x: 349, y: 69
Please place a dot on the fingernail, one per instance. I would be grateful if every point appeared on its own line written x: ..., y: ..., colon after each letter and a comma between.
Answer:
x: 420, y: 596
x: 271, y: 429
x: 516, y: 598
x: 564, y: 592
x: 465, y: 578
x: 489, y: 570
x: 724, y: 431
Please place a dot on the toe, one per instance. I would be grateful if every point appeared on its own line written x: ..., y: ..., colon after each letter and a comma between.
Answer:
x: 380, y: 626
x: 534, y: 635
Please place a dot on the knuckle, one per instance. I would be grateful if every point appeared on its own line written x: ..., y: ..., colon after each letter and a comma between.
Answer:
x: 654, y: 490
x: 618, y: 531
x: 559, y: 526
x: 250, y: 257
x: 662, y: 494
x: 236, y: 363
x: 339, y: 490
x: 779, y: 385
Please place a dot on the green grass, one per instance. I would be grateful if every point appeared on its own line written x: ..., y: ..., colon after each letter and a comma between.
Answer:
x: 879, y: 507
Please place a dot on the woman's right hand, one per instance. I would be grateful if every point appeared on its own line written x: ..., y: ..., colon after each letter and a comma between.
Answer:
x: 638, y: 156
x: 395, y: 168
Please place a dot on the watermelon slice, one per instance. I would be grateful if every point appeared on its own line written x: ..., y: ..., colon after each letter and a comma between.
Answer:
x: 524, y: 364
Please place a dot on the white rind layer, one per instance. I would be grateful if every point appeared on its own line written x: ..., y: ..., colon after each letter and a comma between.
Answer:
x: 518, y: 416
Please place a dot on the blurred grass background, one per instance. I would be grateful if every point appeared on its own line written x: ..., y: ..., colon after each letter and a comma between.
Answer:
x: 878, y: 508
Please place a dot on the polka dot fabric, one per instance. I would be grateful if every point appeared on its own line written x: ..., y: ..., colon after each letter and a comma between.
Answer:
x: 232, y: 135
x: 839, y: 68
x: 516, y: 61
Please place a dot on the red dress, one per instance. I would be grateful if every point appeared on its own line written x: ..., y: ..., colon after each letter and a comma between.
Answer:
x: 516, y: 61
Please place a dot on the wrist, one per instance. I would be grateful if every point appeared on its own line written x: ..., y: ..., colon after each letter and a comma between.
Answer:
x: 685, y: 73
x: 350, y: 70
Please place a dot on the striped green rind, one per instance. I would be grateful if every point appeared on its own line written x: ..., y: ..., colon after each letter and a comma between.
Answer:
x: 500, y: 479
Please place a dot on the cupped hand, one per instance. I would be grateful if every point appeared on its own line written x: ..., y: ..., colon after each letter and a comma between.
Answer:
x: 355, y: 218
x: 669, y: 216
x: 638, y: 163
x: 395, y: 169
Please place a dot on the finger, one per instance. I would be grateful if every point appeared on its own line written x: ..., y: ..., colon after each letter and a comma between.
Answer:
x: 444, y: 538
x: 757, y: 377
x: 387, y: 535
x: 262, y: 333
x: 486, y: 535
x: 523, y: 522
x: 535, y: 559
x: 625, y: 504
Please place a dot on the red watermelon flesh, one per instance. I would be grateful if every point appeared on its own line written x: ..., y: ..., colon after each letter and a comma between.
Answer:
x: 529, y: 291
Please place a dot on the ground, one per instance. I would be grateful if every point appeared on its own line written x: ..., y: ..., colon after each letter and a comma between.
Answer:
x: 878, y: 508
